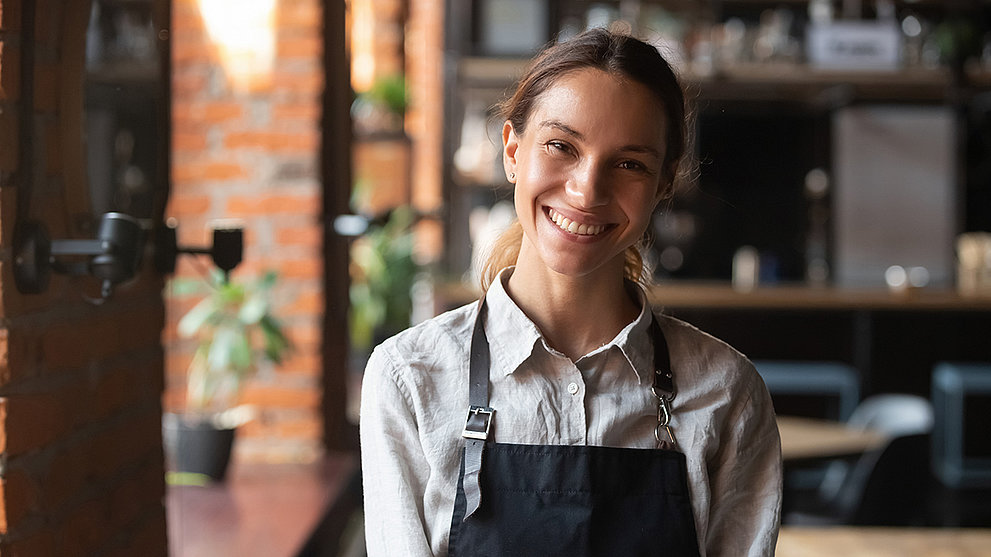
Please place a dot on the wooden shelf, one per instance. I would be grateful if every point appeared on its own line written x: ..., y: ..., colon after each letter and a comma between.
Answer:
x: 723, y: 296
x: 798, y: 82
x: 700, y: 295
x: 787, y: 82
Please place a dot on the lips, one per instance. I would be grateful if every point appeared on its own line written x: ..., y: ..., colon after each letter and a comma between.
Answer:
x: 568, y: 225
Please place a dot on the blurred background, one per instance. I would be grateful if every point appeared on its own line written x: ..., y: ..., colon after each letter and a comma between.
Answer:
x: 339, y: 161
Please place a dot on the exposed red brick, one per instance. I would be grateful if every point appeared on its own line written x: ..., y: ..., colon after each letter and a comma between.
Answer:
x: 281, y: 227
x: 303, y: 111
x: 306, y: 303
x: 302, y: 362
x: 299, y: 205
x: 206, y: 171
x: 5, y: 372
x: 183, y: 53
x: 308, y: 268
x: 188, y: 141
x: 186, y: 82
x: 303, y: 336
x: 305, y: 85
x: 299, y: 47
x: 272, y: 396
x: 273, y: 141
x: 307, y: 236
x: 188, y: 205
x: 299, y: 16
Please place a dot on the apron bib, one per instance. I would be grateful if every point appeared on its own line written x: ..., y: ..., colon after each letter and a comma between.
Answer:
x: 550, y: 500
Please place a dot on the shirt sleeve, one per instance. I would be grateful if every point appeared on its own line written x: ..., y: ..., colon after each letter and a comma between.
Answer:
x: 394, y: 470
x: 746, y: 481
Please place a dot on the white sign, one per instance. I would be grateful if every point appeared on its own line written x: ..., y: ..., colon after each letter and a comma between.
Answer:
x: 854, y: 45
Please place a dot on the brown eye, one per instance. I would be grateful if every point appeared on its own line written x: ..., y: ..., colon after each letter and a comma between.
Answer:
x: 633, y: 165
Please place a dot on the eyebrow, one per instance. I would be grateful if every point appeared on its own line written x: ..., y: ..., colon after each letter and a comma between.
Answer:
x: 557, y: 124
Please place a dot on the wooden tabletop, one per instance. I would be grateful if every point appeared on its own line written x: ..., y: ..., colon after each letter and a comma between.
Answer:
x: 813, y: 439
x: 260, y: 510
x: 883, y: 542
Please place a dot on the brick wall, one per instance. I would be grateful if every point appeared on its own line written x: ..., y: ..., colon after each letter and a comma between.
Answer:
x: 80, y: 384
x: 254, y: 155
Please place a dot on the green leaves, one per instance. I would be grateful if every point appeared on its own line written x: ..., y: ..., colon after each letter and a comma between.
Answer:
x: 235, y: 328
x: 382, y: 274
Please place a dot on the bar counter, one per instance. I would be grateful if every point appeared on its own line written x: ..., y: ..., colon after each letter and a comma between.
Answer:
x: 721, y: 295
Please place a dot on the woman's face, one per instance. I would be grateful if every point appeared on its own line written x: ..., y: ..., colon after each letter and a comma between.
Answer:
x: 587, y: 171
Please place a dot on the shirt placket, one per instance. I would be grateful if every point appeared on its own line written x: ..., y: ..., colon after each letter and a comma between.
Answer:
x: 573, y: 406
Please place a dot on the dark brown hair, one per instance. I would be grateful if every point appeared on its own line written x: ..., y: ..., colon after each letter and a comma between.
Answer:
x: 614, y: 53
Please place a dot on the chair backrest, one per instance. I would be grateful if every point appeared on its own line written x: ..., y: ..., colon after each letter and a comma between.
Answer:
x: 893, y: 414
x: 895, y: 489
x: 874, y: 489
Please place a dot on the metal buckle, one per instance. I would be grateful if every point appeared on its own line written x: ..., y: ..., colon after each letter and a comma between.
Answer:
x: 478, y: 423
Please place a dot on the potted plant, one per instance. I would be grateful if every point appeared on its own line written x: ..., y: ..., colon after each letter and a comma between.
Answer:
x: 235, y: 330
x: 382, y: 107
x: 382, y: 275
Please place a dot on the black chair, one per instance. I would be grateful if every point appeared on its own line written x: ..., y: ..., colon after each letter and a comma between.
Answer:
x: 887, y: 487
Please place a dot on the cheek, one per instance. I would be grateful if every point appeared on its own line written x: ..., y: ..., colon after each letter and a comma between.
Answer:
x: 641, y: 207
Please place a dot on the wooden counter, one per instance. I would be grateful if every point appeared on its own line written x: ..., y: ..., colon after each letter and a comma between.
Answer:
x: 261, y: 510
x: 883, y: 542
x: 720, y: 295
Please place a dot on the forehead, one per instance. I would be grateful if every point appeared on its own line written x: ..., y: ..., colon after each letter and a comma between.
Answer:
x: 602, y: 104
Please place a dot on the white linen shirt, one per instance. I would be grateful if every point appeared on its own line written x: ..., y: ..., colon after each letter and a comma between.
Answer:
x: 415, y: 401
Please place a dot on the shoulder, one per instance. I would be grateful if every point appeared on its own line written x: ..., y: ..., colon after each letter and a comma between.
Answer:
x: 434, y: 345
x: 700, y: 354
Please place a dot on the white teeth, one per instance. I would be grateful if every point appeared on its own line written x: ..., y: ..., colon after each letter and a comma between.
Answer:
x: 573, y: 227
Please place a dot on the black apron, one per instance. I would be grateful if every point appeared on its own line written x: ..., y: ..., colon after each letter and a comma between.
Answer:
x: 548, y: 500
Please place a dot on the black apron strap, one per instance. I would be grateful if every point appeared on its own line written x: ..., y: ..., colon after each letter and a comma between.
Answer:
x: 479, y: 421
x: 663, y: 375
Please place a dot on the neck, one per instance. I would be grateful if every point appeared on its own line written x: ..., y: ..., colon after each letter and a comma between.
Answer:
x: 575, y: 315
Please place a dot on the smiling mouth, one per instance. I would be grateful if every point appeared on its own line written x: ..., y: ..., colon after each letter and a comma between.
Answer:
x: 568, y: 225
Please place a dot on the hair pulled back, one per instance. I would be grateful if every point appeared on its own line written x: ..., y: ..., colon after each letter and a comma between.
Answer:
x: 617, y: 54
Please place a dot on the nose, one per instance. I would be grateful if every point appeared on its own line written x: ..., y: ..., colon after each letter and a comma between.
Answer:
x: 588, y: 186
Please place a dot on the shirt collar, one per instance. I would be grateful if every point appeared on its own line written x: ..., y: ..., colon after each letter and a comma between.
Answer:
x: 513, y: 336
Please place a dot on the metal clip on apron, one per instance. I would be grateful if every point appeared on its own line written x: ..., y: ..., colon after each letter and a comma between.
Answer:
x: 550, y: 500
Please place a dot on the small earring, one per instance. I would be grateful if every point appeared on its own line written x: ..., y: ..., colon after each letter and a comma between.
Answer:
x: 512, y: 175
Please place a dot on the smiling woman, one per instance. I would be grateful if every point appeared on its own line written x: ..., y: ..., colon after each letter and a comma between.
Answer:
x: 619, y: 432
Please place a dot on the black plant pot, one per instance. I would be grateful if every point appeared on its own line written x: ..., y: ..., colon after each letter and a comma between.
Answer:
x: 197, y: 446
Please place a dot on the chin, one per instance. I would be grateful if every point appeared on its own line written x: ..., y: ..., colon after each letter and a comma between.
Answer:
x: 570, y: 266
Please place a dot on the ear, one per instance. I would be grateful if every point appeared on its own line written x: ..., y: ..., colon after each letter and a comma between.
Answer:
x: 510, y: 143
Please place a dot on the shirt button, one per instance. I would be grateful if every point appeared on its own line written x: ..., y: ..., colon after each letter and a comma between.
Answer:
x: 573, y: 388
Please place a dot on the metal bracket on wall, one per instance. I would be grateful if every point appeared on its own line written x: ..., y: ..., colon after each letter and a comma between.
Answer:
x: 113, y: 257
x: 226, y: 252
